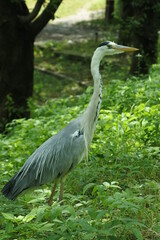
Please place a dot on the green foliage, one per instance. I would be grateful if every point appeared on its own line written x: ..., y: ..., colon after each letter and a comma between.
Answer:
x: 116, y: 195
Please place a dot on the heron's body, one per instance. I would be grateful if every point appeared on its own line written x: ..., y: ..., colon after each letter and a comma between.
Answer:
x: 52, y: 160
x: 55, y: 158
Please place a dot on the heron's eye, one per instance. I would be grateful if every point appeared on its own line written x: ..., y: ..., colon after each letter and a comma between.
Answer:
x: 109, y: 45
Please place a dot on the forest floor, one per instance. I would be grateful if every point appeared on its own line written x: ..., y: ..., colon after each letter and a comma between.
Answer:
x: 70, y: 28
x: 63, y: 51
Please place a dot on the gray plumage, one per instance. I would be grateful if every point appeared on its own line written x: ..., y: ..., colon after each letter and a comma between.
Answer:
x: 56, y: 157
x: 53, y: 159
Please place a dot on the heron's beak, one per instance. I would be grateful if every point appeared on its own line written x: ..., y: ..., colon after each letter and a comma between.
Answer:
x: 124, y: 48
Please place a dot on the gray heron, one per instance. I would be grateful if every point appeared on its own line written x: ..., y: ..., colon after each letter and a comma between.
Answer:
x: 57, y: 156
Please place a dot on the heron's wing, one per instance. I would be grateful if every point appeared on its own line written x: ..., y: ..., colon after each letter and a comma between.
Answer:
x: 54, y: 158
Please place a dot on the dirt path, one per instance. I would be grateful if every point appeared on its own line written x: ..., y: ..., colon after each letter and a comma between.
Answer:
x: 70, y: 28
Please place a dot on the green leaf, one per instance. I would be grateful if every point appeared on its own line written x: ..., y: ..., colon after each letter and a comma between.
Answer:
x: 137, y: 233
x: 57, y: 220
x: 106, y: 184
x: 9, y: 227
x: 88, y: 186
x: 30, y: 215
x: 70, y: 210
x: 37, y: 200
x: 46, y: 227
x: 9, y: 216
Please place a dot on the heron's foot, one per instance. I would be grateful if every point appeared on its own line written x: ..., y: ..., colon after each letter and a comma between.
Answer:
x: 61, y: 192
x: 61, y: 200
x: 50, y: 202
x: 61, y: 203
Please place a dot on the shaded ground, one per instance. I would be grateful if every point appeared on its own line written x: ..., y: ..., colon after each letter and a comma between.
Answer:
x: 64, y: 69
x: 70, y: 28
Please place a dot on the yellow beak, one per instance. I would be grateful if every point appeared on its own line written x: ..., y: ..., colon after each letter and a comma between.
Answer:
x: 124, y: 48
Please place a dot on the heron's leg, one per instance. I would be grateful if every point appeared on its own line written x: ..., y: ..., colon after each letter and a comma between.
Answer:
x: 61, y: 189
x: 50, y: 201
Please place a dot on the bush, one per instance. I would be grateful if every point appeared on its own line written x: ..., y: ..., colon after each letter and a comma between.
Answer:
x: 114, y: 196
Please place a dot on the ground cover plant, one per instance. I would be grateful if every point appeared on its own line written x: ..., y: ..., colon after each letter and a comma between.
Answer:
x: 113, y: 196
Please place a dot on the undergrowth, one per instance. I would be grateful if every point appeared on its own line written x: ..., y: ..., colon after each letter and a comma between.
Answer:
x: 116, y: 194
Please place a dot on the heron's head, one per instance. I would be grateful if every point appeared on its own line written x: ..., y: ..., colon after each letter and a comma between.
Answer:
x: 111, y: 48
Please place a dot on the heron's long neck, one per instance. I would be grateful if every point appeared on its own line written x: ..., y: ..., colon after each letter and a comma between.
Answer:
x: 92, y: 112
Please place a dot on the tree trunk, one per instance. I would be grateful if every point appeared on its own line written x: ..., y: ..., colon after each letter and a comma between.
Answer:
x: 139, y: 26
x: 18, y: 29
x: 146, y: 39
x: 109, y: 10
x: 125, y: 30
x: 16, y: 62
x: 148, y: 56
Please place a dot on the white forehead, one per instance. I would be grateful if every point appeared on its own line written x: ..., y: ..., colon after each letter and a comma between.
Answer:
x: 111, y: 43
x: 106, y: 44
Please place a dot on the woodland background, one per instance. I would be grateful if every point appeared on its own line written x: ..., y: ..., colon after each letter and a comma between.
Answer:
x: 45, y: 82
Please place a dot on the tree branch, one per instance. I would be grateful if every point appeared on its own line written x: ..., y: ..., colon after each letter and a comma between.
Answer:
x: 45, y: 16
x: 28, y: 18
